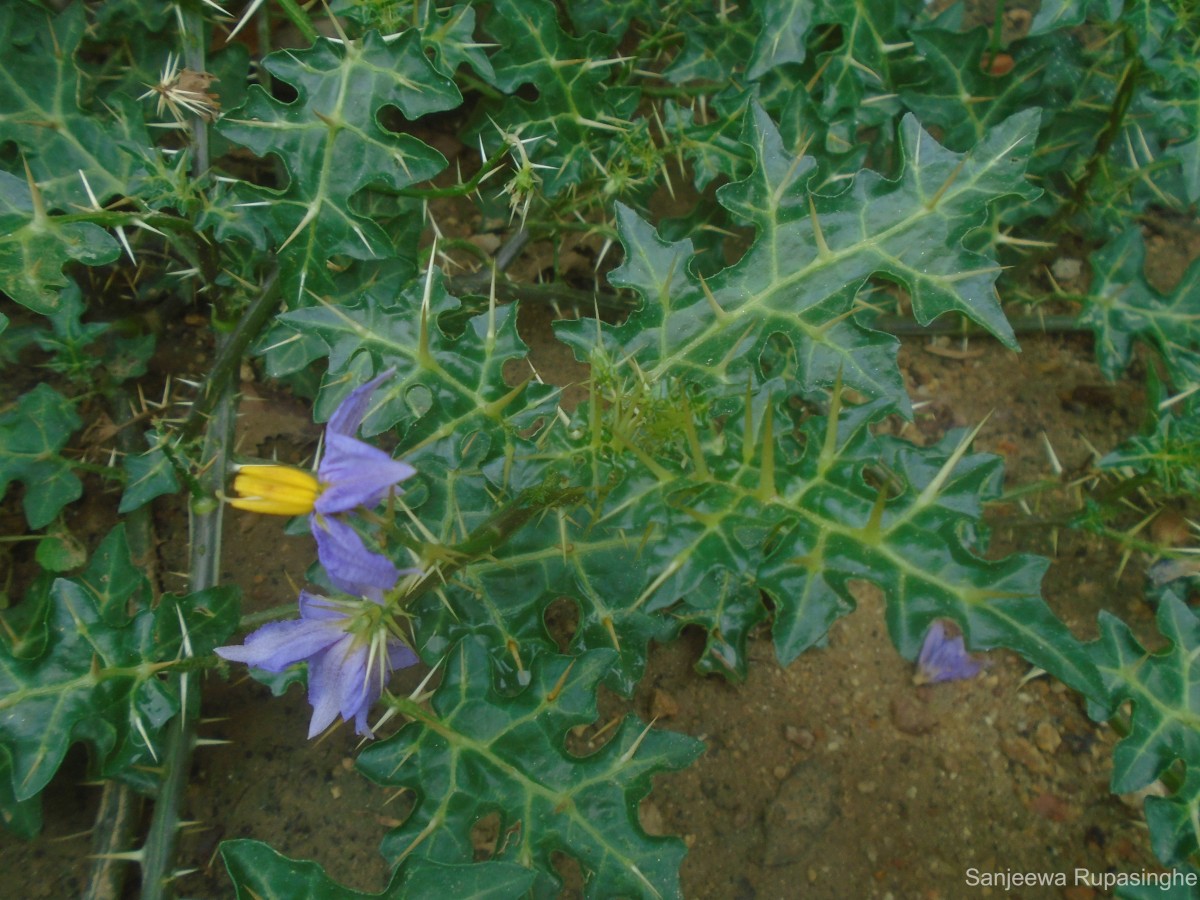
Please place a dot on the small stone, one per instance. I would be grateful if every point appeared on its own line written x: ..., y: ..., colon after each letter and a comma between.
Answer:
x: 335, y: 792
x: 1066, y: 269
x: 1052, y: 807
x: 804, y: 807
x: 1046, y: 737
x: 780, y: 772
x: 801, y: 737
x: 663, y: 705
x: 866, y: 787
x: 910, y: 715
x: 1021, y: 751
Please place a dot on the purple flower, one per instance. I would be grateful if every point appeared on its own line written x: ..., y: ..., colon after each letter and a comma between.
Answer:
x: 353, y: 474
x: 350, y: 650
x: 944, y: 657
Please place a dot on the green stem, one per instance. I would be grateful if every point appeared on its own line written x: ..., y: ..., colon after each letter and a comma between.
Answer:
x: 490, y: 165
x: 158, y: 853
x: 298, y: 17
x: 120, y: 810
x: 159, y: 850
x: 1116, y: 120
x: 230, y: 354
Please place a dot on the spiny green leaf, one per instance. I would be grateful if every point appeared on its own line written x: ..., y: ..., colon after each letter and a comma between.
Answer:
x: 91, y: 684
x: 333, y: 145
x: 34, y: 247
x: 451, y: 35
x: 22, y: 817
x: 96, y: 682
x: 1170, y: 453
x: 259, y: 873
x: 117, y: 583
x: 858, y: 69
x: 1163, y: 687
x: 39, y: 84
x: 574, y: 113
x: 1122, y: 307
x: 811, y: 256
x: 32, y: 437
x: 1173, y: 822
x: 473, y: 754
x: 444, y: 386
x: 782, y: 37
x: 147, y: 475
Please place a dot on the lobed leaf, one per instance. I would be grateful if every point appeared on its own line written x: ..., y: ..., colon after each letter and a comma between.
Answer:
x: 34, y: 247
x: 333, y: 144
x: 1123, y: 307
x: 32, y: 437
x: 1164, y: 688
x: 259, y: 873
x: 475, y: 752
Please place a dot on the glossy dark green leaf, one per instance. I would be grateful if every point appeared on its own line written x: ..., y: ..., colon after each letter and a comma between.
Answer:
x: 474, y: 752
x: 91, y: 684
x: 1164, y: 689
x: 34, y: 247
x: 32, y: 437
x: 333, y: 145
x: 21, y: 817
x: 782, y: 38
x: 147, y: 475
x: 259, y: 873
x: 39, y: 87
x: 1122, y: 307
x: 811, y: 256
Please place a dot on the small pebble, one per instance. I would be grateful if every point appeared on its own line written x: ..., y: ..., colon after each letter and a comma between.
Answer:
x: 1046, y: 737
x: 801, y: 737
x: 1024, y: 753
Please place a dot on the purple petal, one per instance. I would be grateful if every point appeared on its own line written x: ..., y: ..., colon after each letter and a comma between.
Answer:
x: 278, y: 645
x: 314, y: 606
x: 351, y: 566
x: 400, y: 656
x: 945, y: 658
x: 350, y: 413
x: 325, y: 672
x: 356, y: 474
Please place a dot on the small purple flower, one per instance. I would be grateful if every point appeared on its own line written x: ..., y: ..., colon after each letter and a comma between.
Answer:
x: 350, y: 650
x: 944, y: 657
x: 352, y: 473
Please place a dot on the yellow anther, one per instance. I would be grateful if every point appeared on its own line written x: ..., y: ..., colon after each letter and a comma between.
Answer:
x: 275, y: 490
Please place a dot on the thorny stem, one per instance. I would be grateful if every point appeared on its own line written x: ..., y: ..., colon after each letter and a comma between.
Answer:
x: 1116, y: 119
x: 230, y: 354
x: 158, y: 853
x: 120, y: 810
x: 205, y: 565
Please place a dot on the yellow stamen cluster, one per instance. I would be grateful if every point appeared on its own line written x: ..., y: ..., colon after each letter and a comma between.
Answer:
x: 275, y: 490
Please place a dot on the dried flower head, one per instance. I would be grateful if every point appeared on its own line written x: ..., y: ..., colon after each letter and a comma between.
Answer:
x: 184, y: 92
